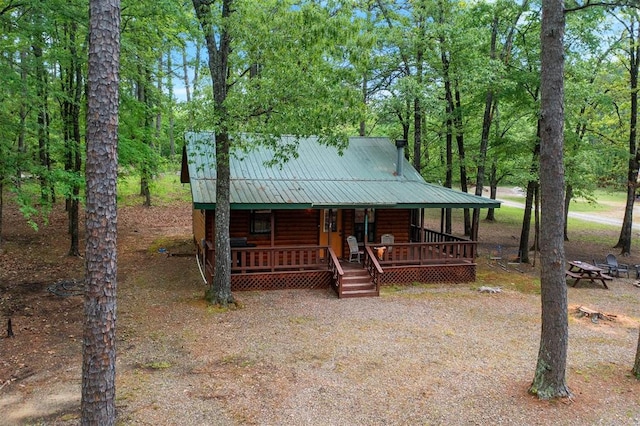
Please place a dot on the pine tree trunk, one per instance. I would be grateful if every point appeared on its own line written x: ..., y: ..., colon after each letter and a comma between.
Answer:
x: 550, y: 375
x: 99, y: 335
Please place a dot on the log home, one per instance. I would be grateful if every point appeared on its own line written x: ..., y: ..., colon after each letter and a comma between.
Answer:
x: 290, y: 223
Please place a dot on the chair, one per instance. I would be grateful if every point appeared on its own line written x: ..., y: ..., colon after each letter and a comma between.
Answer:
x: 495, y: 256
x: 616, y: 268
x: 354, y: 250
x: 387, y: 239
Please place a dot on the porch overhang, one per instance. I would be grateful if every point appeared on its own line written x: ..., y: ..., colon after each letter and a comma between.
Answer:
x: 303, y: 206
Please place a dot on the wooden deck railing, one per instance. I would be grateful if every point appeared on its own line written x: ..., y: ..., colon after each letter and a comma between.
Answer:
x: 372, y: 266
x: 336, y: 270
x: 431, y: 236
x: 448, y: 249
x: 399, y: 254
x: 278, y: 258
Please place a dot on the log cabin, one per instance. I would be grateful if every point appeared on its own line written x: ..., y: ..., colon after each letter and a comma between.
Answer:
x: 290, y: 223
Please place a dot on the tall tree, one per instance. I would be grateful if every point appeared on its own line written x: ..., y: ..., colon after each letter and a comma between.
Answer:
x: 276, y: 68
x: 99, y: 332
x: 633, y: 29
x: 218, y: 42
x: 491, y: 103
x: 72, y: 82
x: 550, y: 375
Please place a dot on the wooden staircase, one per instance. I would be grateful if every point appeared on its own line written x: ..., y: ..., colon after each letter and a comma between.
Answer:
x: 356, y: 282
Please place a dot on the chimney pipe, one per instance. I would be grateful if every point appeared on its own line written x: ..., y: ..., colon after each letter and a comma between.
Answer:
x: 400, y: 144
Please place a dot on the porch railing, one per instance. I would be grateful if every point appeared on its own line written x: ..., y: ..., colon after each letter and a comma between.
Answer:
x: 442, y: 249
x: 372, y: 266
x: 336, y: 271
x: 431, y: 236
x: 278, y: 258
x: 429, y: 253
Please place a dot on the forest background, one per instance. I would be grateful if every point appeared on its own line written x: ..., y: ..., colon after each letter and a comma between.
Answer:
x: 459, y: 81
x: 436, y: 74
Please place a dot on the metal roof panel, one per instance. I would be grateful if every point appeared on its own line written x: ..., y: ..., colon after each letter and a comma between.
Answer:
x: 364, y: 175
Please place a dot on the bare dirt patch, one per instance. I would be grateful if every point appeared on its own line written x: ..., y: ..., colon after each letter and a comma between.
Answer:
x: 433, y: 354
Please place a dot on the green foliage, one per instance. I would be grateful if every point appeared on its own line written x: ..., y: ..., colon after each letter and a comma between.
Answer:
x: 319, y: 68
x: 288, y: 74
x: 26, y: 196
x: 166, y: 189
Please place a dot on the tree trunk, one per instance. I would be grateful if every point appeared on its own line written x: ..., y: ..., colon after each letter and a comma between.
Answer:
x: 43, y: 122
x: 459, y: 129
x: 487, y: 120
x: 624, y: 242
x: 99, y: 331
x: 159, y: 104
x: 448, y: 93
x: 636, y: 364
x: 1, y: 207
x: 567, y: 201
x: 172, y: 142
x: 196, y: 68
x: 523, y: 247
x: 185, y: 73
x: 22, y: 147
x: 532, y: 188
x: 417, y: 115
x: 480, y: 174
x: 363, y: 124
x: 71, y: 82
x: 220, y: 290
x: 145, y: 191
x: 550, y: 375
x: 536, y: 225
x: 493, y: 185
x: 145, y: 168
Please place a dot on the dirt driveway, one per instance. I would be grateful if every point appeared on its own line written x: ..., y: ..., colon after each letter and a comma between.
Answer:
x: 437, y: 354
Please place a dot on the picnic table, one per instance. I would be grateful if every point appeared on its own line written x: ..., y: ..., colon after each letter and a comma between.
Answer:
x: 585, y: 271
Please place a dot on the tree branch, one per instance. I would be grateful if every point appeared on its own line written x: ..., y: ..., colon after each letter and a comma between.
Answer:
x: 10, y: 7
x: 588, y: 4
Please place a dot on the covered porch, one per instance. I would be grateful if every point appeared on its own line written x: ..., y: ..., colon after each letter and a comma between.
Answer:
x: 439, y: 258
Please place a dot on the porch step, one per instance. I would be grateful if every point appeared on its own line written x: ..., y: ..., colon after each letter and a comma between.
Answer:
x: 346, y: 294
x: 357, y: 283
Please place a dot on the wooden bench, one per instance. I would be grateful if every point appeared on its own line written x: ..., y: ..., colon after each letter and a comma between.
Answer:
x: 574, y: 275
x: 584, y: 275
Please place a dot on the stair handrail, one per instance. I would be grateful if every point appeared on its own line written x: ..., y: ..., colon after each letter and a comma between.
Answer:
x: 373, y: 267
x: 336, y: 270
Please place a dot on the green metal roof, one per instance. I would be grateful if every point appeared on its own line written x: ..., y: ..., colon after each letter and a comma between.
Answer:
x: 365, y: 175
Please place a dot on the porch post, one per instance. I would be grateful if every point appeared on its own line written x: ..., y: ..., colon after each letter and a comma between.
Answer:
x: 366, y: 226
x: 329, y: 221
x: 273, y: 229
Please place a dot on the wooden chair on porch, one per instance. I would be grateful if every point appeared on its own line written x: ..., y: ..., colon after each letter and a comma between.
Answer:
x: 354, y: 250
x: 387, y: 239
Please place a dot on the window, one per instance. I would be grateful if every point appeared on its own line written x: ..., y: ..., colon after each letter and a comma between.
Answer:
x: 359, y: 225
x: 260, y: 222
x: 330, y: 220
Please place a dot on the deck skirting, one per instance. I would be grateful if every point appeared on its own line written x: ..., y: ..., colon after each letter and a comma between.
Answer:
x: 397, y: 275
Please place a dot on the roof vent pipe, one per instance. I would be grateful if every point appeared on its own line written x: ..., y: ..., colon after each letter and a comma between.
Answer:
x: 400, y: 144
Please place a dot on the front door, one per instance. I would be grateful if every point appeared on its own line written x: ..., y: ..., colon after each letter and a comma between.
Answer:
x: 331, y: 230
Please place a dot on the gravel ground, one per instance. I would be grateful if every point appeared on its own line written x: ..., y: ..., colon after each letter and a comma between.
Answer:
x: 430, y: 355
x: 417, y: 355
